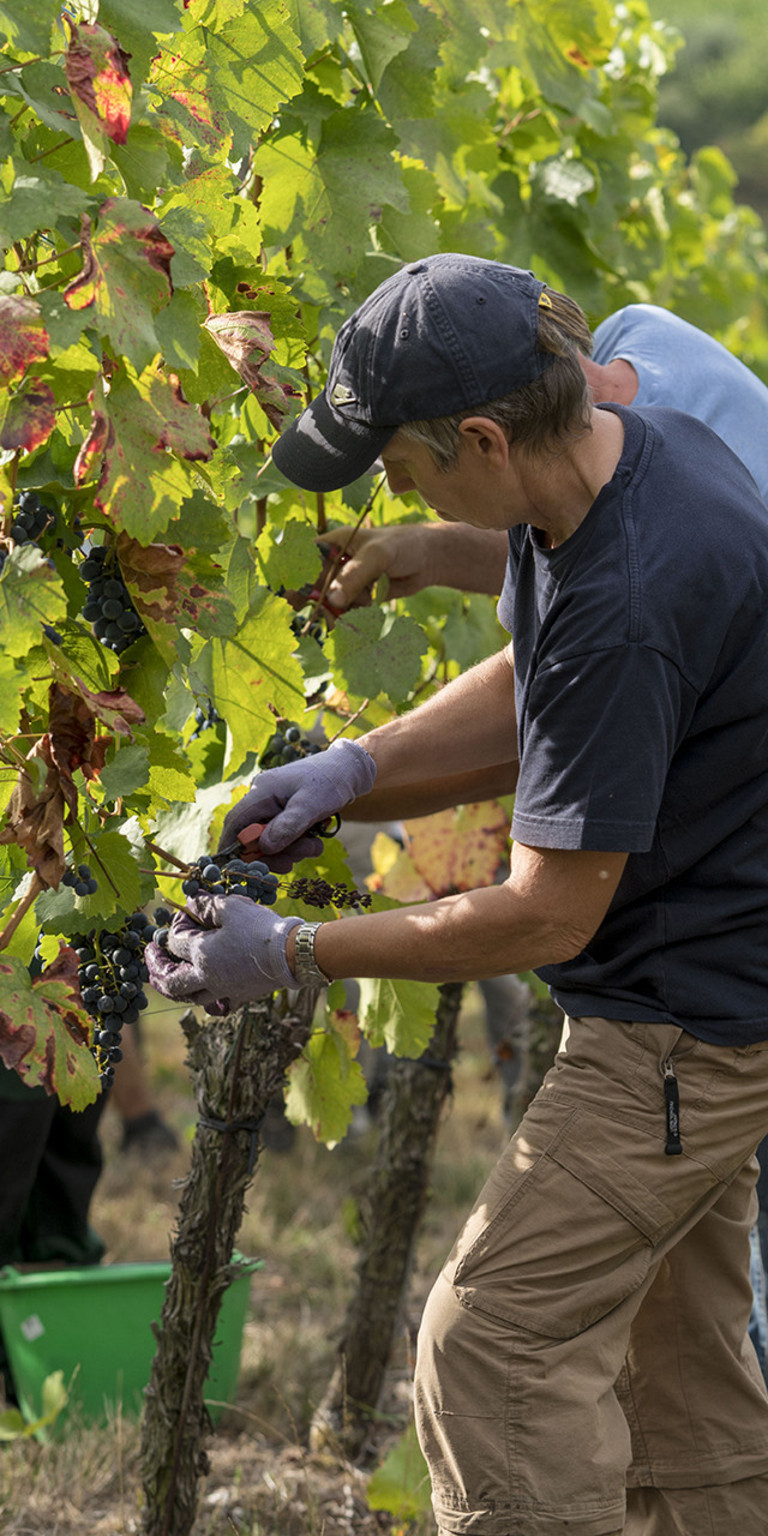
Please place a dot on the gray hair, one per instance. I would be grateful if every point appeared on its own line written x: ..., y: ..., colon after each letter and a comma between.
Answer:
x: 540, y: 416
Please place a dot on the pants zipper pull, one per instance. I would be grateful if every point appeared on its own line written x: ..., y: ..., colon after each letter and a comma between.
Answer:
x: 673, y: 1146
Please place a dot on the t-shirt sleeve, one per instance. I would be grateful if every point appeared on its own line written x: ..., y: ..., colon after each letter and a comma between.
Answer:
x: 597, y: 735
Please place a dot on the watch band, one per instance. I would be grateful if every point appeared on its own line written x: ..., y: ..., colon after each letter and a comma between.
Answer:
x: 305, y: 967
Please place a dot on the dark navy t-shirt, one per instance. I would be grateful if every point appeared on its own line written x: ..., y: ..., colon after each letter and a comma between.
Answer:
x: 641, y: 661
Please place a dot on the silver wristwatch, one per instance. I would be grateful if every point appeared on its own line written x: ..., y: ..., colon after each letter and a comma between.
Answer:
x: 305, y: 967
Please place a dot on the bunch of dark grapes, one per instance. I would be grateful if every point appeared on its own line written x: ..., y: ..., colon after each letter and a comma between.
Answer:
x: 81, y: 880
x: 320, y: 893
x: 231, y: 877
x: 31, y: 518
x: 205, y: 719
x: 287, y: 745
x: 108, y: 606
x: 111, y: 972
x: 302, y: 625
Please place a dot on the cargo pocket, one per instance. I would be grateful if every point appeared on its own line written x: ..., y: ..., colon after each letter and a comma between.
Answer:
x: 574, y: 1238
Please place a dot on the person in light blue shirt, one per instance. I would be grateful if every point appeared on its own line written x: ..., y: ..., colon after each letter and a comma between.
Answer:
x: 675, y: 364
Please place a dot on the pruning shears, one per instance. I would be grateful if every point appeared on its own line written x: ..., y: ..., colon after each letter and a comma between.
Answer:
x: 246, y: 845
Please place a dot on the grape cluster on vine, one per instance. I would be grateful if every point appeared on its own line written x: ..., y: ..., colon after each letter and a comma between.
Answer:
x: 81, y: 880
x: 321, y: 893
x: 205, y: 719
x: 109, y: 607
x: 111, y: 972
x: 287, y: 745
x: 31, y: 518
x: 232, y: 877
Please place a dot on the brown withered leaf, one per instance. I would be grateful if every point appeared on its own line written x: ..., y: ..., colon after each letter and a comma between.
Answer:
x: 165, y: 590
x: 29, y: 418
x: 23, y: 337
x: 35, y: 818
x: 97, y: 74
x: 245, y: 337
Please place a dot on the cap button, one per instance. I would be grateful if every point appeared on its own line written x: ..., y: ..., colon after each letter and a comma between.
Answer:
x: 416, y: 266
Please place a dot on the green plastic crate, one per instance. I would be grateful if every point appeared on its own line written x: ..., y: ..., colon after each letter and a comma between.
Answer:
x: 95, y: 1324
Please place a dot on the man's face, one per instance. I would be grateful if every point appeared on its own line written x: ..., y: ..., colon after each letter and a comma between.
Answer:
x: 471, y: 492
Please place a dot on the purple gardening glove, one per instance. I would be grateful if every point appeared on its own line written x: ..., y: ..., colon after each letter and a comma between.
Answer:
x: 223, y: 951
x: 299, y: 795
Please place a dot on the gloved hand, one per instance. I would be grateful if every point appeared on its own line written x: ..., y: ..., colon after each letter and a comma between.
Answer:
x: 298, y: 795
x: 223, y: 951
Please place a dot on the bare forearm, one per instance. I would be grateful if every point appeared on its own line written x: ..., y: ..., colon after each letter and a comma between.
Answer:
x: 484, y: 932
x: 422, y: 798
x: 470, y: 559
x: 546, y: 912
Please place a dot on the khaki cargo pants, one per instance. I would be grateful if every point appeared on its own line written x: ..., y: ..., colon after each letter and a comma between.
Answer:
x: 584, y: 1367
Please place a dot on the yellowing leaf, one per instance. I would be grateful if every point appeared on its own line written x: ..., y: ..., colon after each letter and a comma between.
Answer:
x: 44, y: 1032
x: 23, y: 337
x: 126, y: 277
x: 97, y: 75
x: 324, y: 1086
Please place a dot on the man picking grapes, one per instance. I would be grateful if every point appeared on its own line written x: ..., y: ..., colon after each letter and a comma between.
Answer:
x: 583, y: 1360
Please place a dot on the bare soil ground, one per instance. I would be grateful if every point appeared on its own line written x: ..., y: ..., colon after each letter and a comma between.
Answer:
x: 263, y: 1479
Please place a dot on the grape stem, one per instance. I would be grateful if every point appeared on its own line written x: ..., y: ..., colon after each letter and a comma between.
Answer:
x: 22, y: 909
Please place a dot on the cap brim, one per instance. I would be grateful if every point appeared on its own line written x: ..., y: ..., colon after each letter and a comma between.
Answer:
x: 323, y: 451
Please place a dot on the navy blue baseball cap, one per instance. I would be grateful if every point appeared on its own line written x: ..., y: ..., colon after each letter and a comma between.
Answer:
x: 446, y: 334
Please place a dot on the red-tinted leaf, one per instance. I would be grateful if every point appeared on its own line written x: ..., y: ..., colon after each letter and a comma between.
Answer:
x: 126, y: 276
x: 23, y: 337
x: 117, y: 710
x: 141, y: 486
x: 44, y: 1032
x: 165, y: 590
x: 97, y: 75
x: 29, y: 419
x: 245, y: 338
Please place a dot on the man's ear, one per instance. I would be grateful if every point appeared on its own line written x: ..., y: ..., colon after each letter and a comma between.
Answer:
x: 486, y: 438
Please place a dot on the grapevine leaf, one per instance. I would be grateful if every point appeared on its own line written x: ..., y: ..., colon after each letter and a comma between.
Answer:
x: 121, y: 887
x: 246, y: 340
x: 138, y: 24
x: 10, y: 696
x: 396, y: 874
x: 329, y: 198
x: 27, y: 29
x: 23, y: 337
x: 401, y: 1484
x: 382, y: 33
x: 35, y: 815
x: 30, y: 595
x: 141, y: 486
x: 44, y: 1032
x: 372, y: 651
x: 253, y: 65
x: 81, y: 659
x: 255, y: 676
x: 289, y: 558
x: 168, y: 592
x: 127, y: 772
x: 169, y: 775
x: 28, y: 418
x: 126, y: 277
x: 98, y: 78
x: 324, y: 1085
x: 398, y: 1014
x: 37, y: 202
x: 456, y: 850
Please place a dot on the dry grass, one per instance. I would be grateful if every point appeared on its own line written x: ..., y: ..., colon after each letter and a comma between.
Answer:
x: 263, y: 1480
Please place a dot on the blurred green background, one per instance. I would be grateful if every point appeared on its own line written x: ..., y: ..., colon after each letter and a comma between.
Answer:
x: 718, y: 91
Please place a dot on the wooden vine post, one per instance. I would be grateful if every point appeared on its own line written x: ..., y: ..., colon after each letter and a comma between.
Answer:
x: 236, y: 1063
x: 391, y: 1209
